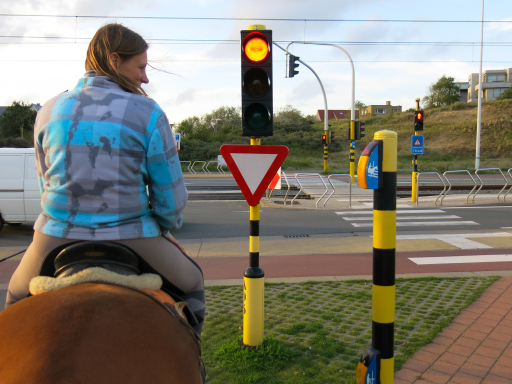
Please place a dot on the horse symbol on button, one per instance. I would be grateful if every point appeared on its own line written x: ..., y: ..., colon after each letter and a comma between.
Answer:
x: 373, y: 170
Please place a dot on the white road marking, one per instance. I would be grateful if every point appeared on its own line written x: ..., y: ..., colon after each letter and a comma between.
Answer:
x: 406, y: 218
x: 421, y: 223
x: 443, y: 236
x: 484, y: 207
x: 398, y: 212
x: 461, y: 259
x: 458, y: 240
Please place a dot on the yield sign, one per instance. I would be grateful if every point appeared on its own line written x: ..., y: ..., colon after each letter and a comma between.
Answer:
x: 253, y: 167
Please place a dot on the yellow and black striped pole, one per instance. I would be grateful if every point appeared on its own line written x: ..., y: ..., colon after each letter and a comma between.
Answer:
x: 352, y: 150
x: 254, y: 281
x: 384, y: 244
x: 326, y: 151
x: 414, y: 192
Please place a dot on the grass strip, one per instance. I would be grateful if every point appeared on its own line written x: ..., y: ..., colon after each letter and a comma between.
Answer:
x: 315, y: 332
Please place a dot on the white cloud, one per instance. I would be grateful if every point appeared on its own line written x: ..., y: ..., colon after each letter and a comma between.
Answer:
x: 504, y: 25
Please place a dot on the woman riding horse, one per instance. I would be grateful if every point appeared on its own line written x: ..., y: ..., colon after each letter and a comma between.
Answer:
x: 108, y: 169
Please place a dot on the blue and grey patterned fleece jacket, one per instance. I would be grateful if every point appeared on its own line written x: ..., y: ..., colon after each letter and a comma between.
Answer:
x: 102, y: 155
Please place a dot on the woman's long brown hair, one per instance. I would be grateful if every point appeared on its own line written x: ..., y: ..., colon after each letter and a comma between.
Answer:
x: 115, y: 38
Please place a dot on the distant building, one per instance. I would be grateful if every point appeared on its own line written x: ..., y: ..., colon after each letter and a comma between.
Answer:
x: 335, y: 114
x: 463, y: 91
x: 381, y: 109
x: 495, y: 82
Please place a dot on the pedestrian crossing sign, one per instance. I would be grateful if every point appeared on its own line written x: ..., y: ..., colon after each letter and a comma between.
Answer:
x: 417, y: 144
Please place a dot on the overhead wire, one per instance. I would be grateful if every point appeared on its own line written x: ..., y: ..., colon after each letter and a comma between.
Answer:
x: 251, y: 18
x: 233, y: 41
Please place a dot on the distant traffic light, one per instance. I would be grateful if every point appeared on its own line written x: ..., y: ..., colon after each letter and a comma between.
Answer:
x: 292, y: 65
x: 360, y: 130
x: 418, y: 120
x: 331, y: 139
x: 324, y: 139
x: 257, y: 103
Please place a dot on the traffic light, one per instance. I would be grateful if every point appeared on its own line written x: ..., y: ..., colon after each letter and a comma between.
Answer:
x: 331, y: 140
x: 257, y: 104
x: 291, y: 65
x: 418, y: 120
x: 359, y: 130
x: 324, y: 139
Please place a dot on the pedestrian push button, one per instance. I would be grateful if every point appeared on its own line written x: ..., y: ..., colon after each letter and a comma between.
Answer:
x: 369, y: 168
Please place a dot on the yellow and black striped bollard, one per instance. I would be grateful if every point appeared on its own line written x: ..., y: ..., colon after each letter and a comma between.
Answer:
x: 384, y: 247
x: 377, y: 171
x: 254, y: 282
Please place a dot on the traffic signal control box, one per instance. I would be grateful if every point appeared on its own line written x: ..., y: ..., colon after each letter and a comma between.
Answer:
x: 256, y: 83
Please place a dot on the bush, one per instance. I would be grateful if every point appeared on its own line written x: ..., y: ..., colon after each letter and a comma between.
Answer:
x: 15, y: 142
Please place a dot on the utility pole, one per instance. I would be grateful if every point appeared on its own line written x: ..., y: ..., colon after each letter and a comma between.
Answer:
x: 480, y: 90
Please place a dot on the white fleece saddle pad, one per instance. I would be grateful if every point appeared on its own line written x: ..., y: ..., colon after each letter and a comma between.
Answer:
x: 43, y: 284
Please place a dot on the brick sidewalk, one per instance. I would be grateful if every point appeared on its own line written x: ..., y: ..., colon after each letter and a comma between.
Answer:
x: 475, y: 348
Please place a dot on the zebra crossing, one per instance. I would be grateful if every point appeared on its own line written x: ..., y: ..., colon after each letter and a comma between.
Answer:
x: 407, y: 218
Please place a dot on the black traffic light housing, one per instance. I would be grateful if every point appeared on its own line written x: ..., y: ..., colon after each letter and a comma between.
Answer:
x: 418, y: 120
x: 331, y: 139
x: 292, y: 65
x: 360, y: 130
x: 324, y: 139
x: 256, y: 83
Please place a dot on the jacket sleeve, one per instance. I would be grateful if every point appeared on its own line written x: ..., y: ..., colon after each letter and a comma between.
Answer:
x: 166, y: 187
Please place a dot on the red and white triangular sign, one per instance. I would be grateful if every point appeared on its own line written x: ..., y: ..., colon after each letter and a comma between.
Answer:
x: 417, y: 143
x: 253, y: 167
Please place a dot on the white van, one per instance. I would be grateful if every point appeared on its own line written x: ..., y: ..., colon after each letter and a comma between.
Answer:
x: 20, y: 199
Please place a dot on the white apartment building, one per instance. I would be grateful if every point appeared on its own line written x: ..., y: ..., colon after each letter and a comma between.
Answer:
x: 495, y: 82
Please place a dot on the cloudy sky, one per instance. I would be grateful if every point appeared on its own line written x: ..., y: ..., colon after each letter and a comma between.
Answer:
x: 396, y: 54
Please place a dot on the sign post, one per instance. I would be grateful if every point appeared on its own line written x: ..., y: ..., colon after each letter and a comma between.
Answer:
x: 253, y: 167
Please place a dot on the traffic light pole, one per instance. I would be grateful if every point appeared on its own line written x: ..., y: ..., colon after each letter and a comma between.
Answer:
x: 414, y: 191
x: 353, y: 107
x: 326, y: 120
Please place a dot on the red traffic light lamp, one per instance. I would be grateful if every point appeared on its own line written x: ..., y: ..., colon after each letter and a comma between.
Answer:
x: 256, y: 46
x: 324, y: 139
x: 418, y: 120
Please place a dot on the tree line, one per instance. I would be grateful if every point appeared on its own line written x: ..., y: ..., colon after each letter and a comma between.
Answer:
x: 17, y: 125
x: 202, y: 136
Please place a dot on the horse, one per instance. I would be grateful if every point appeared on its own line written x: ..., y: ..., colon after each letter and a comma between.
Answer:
x: 96, y: 333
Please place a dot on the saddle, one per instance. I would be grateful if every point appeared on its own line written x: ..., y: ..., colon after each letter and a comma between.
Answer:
x: 108, y: 263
